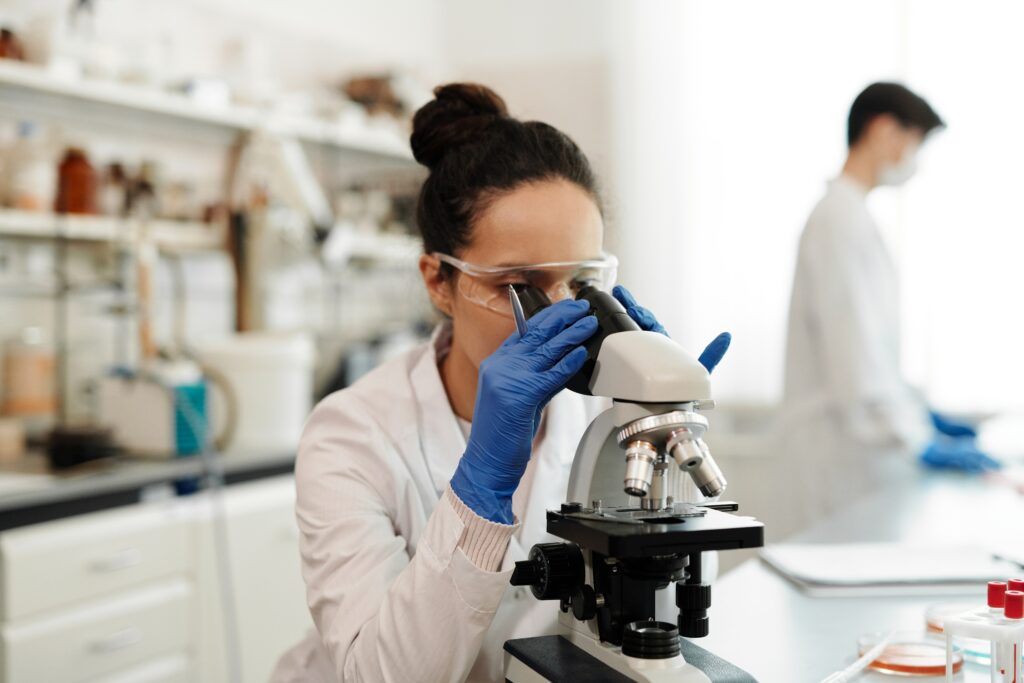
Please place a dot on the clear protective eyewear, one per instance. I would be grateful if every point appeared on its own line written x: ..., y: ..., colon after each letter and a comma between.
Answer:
x: 487, y: 286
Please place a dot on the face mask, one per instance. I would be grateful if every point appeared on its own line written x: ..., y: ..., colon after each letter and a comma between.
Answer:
x: 900, y: 172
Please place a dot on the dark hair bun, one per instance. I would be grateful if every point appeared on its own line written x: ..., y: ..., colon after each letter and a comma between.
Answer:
x: 458, y: 113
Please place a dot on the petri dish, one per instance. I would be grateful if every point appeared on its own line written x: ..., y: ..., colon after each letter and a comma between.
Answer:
x: 975, y: 650
x: 910, y: 655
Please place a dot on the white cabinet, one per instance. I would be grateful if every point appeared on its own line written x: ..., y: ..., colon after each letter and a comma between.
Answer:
x: 176, y: 668
x: 49, y: 565
x: 267, y: 592
x: 98, y: 638
x: 156, y: 592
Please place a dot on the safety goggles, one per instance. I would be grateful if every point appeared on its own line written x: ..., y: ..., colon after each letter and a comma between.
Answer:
x: 487, y: 286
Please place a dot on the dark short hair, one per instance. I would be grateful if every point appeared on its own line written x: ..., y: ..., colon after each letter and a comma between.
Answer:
x: 909, y: 108
x: 476, y: 152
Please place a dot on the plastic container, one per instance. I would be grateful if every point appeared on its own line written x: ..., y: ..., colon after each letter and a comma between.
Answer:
x: 271, y: 378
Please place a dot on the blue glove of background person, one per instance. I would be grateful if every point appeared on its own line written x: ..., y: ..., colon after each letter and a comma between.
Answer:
x: 957, y: 454
x: 950, y: 427
x: 515, y: 383
x: 712, y: 354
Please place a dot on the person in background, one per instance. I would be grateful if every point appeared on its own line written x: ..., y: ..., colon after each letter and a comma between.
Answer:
x: 419, y: 486
x: 851, y: 418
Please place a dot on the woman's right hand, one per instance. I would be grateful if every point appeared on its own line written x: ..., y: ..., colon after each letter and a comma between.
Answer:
x: 515, y: 383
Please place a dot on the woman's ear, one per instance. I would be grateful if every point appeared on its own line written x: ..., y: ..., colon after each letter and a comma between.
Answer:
x: 438, y: 285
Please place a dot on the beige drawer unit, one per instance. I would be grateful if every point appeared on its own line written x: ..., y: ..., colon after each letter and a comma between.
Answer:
x: 55, y: 564
x: 176, y: 668
x: 107, y: 636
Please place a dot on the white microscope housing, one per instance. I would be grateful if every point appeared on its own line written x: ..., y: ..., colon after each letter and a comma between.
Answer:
x: 629, y: 537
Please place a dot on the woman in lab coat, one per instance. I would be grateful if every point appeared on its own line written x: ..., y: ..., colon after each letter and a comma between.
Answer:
x: 852, y: 423
x: 421, y: 485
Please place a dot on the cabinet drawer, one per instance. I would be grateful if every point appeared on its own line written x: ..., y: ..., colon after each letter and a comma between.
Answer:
x: 101, y: 637
x: 52, y: 565
x: 176, y: 668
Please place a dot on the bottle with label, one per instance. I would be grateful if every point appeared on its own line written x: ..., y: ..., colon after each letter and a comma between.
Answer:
x: 30, y: 178
x: 10, y: 45
x: 29, y: 380
x: 76, y: 184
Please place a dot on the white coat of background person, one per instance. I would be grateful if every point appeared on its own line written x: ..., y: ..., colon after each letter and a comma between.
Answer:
x: 851, y: 421
x: 420, y: 486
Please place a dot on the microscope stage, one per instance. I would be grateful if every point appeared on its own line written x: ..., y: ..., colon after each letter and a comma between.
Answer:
x: 664, y: 535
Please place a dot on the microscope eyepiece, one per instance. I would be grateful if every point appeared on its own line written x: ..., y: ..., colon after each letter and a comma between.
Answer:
x: 611, y: 318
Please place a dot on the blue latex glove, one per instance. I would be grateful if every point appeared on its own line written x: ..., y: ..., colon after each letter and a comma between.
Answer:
x: 950, y: 427
x: 515, y: 383
x: 957, y: 454
x: 709, y: 358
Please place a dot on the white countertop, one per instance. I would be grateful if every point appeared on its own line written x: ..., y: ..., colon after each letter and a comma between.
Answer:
x: 761, y: 622
x: 29, y: 482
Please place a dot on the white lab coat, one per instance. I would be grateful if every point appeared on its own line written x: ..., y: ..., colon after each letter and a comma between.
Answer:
x: 850, y: 420
x: 403, y: 581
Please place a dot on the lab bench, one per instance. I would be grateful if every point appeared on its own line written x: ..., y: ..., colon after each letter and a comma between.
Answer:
x: 763, y: 623
x: 31, y: 493
x: 105, y: 576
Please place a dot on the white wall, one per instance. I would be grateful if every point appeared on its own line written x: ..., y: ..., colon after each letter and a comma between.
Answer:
x: 964, y: 219
x: 730, y: 116
x: 548, y: 60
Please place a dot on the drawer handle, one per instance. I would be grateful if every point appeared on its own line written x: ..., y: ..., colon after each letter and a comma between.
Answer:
x: 117, y: 641
x: 119, y: 561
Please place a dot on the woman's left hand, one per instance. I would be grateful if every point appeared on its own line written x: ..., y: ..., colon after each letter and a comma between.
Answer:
x: 709, y: 358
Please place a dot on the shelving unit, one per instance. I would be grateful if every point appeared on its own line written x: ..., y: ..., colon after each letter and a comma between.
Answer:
x: 172, y: 235
x: 383, y: 247
x: 34, y: 89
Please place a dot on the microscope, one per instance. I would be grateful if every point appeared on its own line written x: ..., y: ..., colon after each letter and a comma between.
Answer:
x: 627, y: 539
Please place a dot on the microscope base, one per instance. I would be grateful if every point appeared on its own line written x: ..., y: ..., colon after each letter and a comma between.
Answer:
x: 553, y: 659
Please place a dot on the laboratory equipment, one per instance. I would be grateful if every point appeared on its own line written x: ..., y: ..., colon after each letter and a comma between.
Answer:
x: 1001, y: 622
x: 265, y: 379
x: 975, y: 650
x: 907, y: 654
x: 29, y: 382
x: 627, y: 539
x: 160, y: 411
x: 71, y: 442
x: 862, y: 662
x: 517, y: 311
x: 12, y: 439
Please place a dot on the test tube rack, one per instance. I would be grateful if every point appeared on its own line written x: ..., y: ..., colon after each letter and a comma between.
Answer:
x: 1001, y: 622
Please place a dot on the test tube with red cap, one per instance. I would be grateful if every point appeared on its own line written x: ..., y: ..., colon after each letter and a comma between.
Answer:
x: 1007, y: 656
x: 1015, y: 585
x: 1013, y: 605
x: 996, y: 595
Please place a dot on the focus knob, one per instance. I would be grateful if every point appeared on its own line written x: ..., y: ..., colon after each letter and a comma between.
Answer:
x: 650, y: 640
x: 552, y: 571
x: 584, y: 603
x: 693, y: 600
